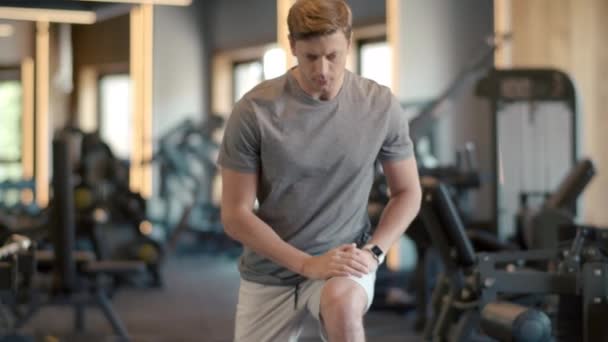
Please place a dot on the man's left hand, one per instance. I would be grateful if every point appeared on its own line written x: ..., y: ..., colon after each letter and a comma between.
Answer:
x: 368, y: 259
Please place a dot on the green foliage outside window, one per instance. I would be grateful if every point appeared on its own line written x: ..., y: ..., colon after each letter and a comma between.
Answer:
x: 10, y: 130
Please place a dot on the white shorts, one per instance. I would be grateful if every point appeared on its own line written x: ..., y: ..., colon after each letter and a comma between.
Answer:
x: 276, y: 313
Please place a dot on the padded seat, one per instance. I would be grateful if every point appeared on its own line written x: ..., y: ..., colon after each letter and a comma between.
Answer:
x: 111, y: 267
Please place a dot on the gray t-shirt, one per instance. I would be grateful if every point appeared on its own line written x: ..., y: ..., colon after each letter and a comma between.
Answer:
x: 315, y: 162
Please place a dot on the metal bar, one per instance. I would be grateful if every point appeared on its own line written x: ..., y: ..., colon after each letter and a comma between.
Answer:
x: 514, y: 256
x: 106, y: 307
x: 531, y: 282
x: 79, y: 317
x: 595, y: 301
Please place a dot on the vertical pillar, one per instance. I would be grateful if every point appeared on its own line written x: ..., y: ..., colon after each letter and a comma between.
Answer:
x: 27, y: 119
x: 392, y: 37
x: 42, y: 114
x: 142, y: 30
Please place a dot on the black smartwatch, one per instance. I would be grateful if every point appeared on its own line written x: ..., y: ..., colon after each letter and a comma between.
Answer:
x: 376, y: 252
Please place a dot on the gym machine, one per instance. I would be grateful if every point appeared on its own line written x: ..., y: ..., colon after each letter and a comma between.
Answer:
x: 501, y: 294
x: 109, y: 216
x: 463, y: 176
x: 17, y: 269
x: 580, y: 281
x: 543, y: 228
x: 186, y: 157
x: 78, y: 279
x: 535, y: 136
x: 456, y: 299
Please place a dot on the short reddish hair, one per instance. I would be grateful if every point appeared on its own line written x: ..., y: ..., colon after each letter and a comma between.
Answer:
x: 315, y: 18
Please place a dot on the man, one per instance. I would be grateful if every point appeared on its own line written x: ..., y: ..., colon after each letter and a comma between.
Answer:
x: 304, y: 144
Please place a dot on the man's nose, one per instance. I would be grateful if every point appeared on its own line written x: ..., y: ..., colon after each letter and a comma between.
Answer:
x: 322, y: 66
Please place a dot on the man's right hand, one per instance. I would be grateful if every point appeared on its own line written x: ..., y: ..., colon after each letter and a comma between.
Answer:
x: 342, y: 261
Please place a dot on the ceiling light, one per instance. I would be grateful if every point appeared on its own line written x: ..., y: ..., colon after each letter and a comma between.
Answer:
x: 48, y: 15
x: 148, y: 2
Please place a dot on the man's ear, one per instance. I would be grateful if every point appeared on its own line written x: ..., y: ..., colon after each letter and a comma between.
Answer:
x: 292, y: 44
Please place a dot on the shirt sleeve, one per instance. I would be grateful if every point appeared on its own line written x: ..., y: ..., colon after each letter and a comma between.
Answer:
x: 240, y: 148
x: 397, y: 144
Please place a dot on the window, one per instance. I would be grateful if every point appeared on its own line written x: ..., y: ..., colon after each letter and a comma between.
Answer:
x: 10, y: 130
x: 275, y: 63
x: 374, y: 60
x: 115, y: 113
x: 246, y: 75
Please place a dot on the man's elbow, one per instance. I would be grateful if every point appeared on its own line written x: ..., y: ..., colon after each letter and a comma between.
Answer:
x: 413, y: 197
x: 416, y: 198
x: 229, y: 219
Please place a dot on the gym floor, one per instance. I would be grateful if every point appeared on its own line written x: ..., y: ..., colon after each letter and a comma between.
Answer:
x: 197, y: 303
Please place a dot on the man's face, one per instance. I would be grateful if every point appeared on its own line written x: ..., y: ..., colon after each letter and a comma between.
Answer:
x: 321, y: 62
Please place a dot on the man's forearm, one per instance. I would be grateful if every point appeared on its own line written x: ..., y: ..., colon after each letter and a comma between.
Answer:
x: 245, y: 227
x: 398, y: 214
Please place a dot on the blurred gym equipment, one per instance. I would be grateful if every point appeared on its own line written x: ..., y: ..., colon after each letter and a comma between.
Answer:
x: 472, y: 281
x: 108, y: 213
x: 78, y: 279
x: 535, y: 135
x: 186, y: 157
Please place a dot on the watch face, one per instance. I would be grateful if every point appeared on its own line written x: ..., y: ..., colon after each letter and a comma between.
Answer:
x: 377, y: 251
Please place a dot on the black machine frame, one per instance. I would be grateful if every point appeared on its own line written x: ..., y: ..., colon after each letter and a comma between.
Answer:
x: 79, y: 281
x: 474, y: 280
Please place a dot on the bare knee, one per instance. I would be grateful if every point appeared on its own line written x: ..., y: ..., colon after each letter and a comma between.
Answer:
x: 343, y: 304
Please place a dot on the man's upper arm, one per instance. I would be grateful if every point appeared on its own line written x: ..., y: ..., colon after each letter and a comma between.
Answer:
x: 239, y: 190
x: 240, y: 148
x: 397, y: 144
x: 401, y: 175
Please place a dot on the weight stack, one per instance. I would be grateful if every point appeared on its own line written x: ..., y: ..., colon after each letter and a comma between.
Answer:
x: 63, y: 220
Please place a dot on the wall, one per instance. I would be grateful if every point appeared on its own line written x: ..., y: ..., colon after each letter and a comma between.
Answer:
x: 179, y: 67
x: 367, y: 12
x: 258, y: 24
x: 237, y: 24
x: 98, y: 48
x: 102, y: 43
x: 59, y: 96
x: 570, y: 35
x: 437, y: 39
x: 19, y: 45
